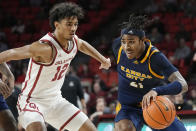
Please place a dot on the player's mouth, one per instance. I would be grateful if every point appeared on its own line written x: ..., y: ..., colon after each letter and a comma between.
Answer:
x: 130, y: 52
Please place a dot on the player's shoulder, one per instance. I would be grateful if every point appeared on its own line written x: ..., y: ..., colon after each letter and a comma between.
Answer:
x: 116, y: 46
x: 37, y: 46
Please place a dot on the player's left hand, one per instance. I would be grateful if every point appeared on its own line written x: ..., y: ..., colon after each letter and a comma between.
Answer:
x: 146, y: 98
x: 10, y: 82
x: 106, y: 64
x: 5, y: 90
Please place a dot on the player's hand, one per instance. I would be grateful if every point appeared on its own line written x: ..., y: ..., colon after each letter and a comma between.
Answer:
x: 5, y: 90
x: 84, y: 110
x: 106, y: 64
x: 146, y: 98
x: 10, y: 82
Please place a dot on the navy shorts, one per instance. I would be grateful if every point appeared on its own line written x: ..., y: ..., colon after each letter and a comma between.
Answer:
x: 3, y: 105
x: 135, y: 115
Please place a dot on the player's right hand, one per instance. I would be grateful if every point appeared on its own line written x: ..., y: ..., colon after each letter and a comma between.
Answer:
x: 106, y: 64
x: 5, y: 90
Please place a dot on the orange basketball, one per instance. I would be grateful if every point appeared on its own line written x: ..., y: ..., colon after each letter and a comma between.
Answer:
x: 160, y: 114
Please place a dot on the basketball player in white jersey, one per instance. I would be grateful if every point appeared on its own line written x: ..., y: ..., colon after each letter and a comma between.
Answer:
x: 50, y: 57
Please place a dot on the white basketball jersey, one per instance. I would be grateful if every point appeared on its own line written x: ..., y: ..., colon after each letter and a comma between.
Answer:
x: 45, y: 80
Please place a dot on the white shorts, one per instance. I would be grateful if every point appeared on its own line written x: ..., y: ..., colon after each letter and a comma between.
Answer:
x: 57, y: 112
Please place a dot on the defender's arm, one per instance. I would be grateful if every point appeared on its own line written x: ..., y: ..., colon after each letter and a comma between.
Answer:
x: 91, y: 51
x: 35, y: 50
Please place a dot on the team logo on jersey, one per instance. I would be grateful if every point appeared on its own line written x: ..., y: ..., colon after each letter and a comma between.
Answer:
x: 71, y: 83
x: 130, y: 32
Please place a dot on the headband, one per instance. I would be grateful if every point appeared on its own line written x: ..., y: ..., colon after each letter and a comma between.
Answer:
x: 139, y: 33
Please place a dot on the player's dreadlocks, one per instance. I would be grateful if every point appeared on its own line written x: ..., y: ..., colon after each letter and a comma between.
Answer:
x: 64, y: 10
x: 136, y: 22
x: 135, y: 25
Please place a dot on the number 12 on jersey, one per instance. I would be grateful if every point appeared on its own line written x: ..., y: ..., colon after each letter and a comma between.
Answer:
x: 60, y: 72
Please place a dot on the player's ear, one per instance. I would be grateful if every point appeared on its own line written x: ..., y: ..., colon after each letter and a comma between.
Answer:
x: 143, y: 39
x: 56, y: 24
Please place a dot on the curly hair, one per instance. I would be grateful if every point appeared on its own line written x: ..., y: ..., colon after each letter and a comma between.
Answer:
x: 64, y: 10
x: 137, y: 22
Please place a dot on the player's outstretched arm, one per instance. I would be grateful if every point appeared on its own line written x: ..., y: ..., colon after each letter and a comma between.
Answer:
x: 35, y: 50
x: 91, y: 51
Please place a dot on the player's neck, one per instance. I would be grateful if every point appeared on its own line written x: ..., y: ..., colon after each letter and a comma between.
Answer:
x: 141, y: 50
x: 61, y: 40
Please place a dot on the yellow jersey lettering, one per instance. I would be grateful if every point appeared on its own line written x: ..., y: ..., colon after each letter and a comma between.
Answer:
x: 141, y: 79
x: 138, y: 74
x: 122, y: 68
x: 128, y: 71
x: 149, y: 77
x: 143, y: 75
x: 132, y: 72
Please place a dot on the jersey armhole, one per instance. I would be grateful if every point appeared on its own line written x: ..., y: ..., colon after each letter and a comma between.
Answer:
x: 53, y: 49
x: 119, y: 54
x: 150, y: 69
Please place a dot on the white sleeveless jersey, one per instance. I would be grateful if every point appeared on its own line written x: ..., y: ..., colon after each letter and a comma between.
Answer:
x: 45, y: 80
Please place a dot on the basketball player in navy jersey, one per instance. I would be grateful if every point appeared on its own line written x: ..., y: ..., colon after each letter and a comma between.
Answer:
x: 142, y: 70
x: 40, y: 100
x: 7, y: 121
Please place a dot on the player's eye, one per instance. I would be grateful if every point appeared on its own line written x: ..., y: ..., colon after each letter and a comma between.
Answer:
x: 131, y: 42
x: 68, y: 24
x: 123, y: 42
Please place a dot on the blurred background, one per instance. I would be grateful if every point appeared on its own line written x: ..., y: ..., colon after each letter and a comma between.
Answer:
x: 173, y: 32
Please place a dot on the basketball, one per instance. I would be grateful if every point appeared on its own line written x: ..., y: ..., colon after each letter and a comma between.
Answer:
x: 160, y: 114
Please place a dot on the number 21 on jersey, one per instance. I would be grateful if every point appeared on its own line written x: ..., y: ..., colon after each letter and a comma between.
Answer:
x: 136, y: 85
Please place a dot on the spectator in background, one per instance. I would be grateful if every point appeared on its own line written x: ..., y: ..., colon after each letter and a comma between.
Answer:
x: 72, y: 89
x: 192, y: 100
x: 155, y: 36
x: 18, y: 28
x: 168, y: 43
x: 182, y: 52
x: 3, y: 44
x: 100, y: 110
x: 192, y: 63
x: 100, y: 82
x: 96, y: 92
x: 86, y: 94
x: 94, y: 5
x: 181, y: 104
x: 83, y: 71
x: 182, y: 34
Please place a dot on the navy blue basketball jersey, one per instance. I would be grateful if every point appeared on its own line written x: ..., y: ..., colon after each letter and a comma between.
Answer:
x: 139, y: 76
x: 3, y: 104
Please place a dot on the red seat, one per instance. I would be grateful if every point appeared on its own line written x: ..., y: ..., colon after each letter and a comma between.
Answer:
x: 35, y: 10
x: 179, y: 14
x: 113, y: 78
x: 188, y: 27
x: 12, y: 38
x: 36, y: 36
x: 186, y: 21
x: 194, y: 36
x: 173, y: 29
